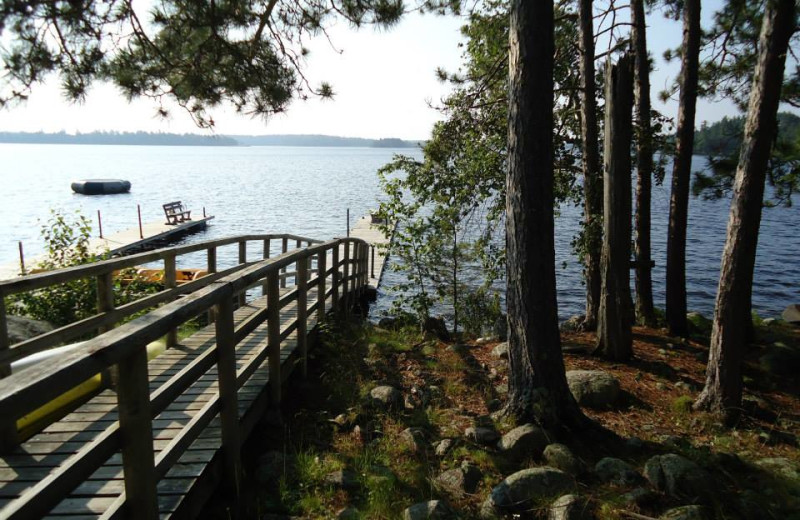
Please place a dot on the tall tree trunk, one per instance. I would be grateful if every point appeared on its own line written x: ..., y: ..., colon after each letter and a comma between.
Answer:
x: 723, y: 389
x: 592, y: 206
x: 614, y: 340
x: 681, y: 171
x: 645, y: 313
x: 537, y: 382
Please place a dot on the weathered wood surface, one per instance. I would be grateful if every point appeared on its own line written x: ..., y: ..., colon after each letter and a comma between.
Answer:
x: 378, y: 244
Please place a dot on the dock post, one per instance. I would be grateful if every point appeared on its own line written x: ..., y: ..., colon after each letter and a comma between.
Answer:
x: 9, y: 438
x: 105, y: 297
x: 348, y: 222
x: 302, y: 313
x: 211, y: 267
x: 139, y: 212
x: 21, y: 259
x: 100, y: 223
x: 229, y: 401
x: 274, y: 337
x: 372, y: 271
x: 299, y: 245
x: 335, y: 277
x: 322, y: 276
x: 346, y: 278
x: 242, y: 260
x: 284, y: 248
x: 170, y: 282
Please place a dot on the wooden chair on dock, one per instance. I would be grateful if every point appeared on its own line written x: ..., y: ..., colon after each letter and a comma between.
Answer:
x: 176, y: 213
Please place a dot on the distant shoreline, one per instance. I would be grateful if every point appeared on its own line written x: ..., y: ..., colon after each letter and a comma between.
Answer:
x: 162, y: 139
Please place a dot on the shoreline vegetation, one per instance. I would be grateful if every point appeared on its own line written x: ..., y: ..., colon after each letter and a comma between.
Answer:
x: 168, y: 139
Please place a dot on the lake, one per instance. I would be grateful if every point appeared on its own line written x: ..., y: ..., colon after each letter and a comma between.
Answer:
x: 307, y: 191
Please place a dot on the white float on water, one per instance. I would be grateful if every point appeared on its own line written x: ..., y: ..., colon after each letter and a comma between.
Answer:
x: 101, y: 186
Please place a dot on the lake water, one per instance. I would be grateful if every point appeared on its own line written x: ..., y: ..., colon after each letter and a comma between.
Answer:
x: 307, y: 191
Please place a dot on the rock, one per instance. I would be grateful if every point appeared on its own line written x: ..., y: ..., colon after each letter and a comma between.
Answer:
x: 481, y: 435
x: 639, y: 496
x: 501, y: 350
x: 443, y: 446
x: 560, y: 457
x: 459, y: 481
x: 523, y: 442
x: 781, y: 467
x: 698, y: 323
x: 483, y: 341
x: 573, y: 324
x: 341, y: 420
x: 342, y: 479
x: 522, y: 490
x: 500, y: 327
x: 617, y: 471
x: 676, y: 476
x: 21, y: 328
x: 434, y: 510
x: 593, y: 388
x: 769, y: 322
x: 570, y: 507
x: 791, y: 314
x: 437, y: 327
x: 414, y: 438
x: 271, y: 466
x: 386, y: 397
x: 348, y: 513
x: 685, y: 513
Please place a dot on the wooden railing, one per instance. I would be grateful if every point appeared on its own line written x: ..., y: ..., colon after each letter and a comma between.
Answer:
x: 123, y: 347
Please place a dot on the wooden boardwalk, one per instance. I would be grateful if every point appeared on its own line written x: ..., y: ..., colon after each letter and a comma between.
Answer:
x: 91, y: 464
x: 365, y: 230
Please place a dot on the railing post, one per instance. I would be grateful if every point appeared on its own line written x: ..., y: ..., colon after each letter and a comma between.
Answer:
x: 335, y: 277
x: 211, y: 253
x: 346, y: 278
x: 372, y: 271
x: 105, y: 297
x: 274, y: 336
x: 284, y: 248
x: 136, y: 429
x: 299, y: 245
x: 322, y: 276
x: 9, y: 439
x: 170, y: 282
x: 242, y: 260
x: 266, y: 255
x: 229, y: 401
x: 302, y: 313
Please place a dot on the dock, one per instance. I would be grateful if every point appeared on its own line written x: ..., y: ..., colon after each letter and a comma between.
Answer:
x: 365, y: 229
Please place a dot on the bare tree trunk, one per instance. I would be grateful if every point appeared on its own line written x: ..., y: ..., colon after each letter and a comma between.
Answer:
x: 681, y: 171
x: 614, y: 340
x: 537, y: 382
x: 645, y: 313
x: 592, y: 206
x: 723, y: 389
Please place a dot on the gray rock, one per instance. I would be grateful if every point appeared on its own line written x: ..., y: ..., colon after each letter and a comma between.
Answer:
x: 524, y: 489
x: 570, y: 507
x: 676, y: 476
x: 501, y: 350
x: 434, y: 510
x: 593, y: 388
x: 21, y: 328
x: 414, y: 438
x: 617, y: 471
x: 781, y: 467
x: 481, y: 435
x: 523, y: 442
x: 639, y: 496
x: 769, y: 322
x: 459, y: 481
x: 437, y: 327
x: 791, y: 314
x: 685, y: 513
x: 573, y: 324
x: 342, y: 479
x: 271, y: 466
x: 560, y: 457
x: 698, y: 323
x: 443, y: 446
x: 348, y: 513
x: 386, y: 397
x: 483, y: 341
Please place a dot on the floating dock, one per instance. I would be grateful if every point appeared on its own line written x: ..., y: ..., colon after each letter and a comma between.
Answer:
x: 368, y: 231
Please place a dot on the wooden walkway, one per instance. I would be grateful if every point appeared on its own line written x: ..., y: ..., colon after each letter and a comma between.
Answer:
x: 365, y: 230
x: 87, y: 464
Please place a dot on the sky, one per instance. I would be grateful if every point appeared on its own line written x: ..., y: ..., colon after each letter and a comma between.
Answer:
x: 384, y: 83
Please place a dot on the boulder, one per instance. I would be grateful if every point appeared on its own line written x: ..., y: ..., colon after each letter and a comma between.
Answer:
x: 698, y: 323
x: 415, y: 439
x: 524, y: 489
x: 616, y: 471
x: 342, y: 479
x: 570, y: 507
x: 593, y: 388
x: 676, y: 476
x: 433, y: 510
x: 21, y: 328
x: 791, y: 314
x: 437, y: 327
x: 386, y: 397
x: 459, y: 481
x: 501, y: 350
x: 443, y: 446
x: 560, y: 457
x: 782, y: 467
x: 481, y: 435
x: 685, y: 513
x: 523, y: 442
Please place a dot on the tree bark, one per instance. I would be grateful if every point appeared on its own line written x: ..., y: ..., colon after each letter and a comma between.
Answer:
x: 614, y: 339
x: 681, y: 171
x: 592, y: 206
x: 723, y: 388
x: 645, y: 312
x: 538, y: 388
